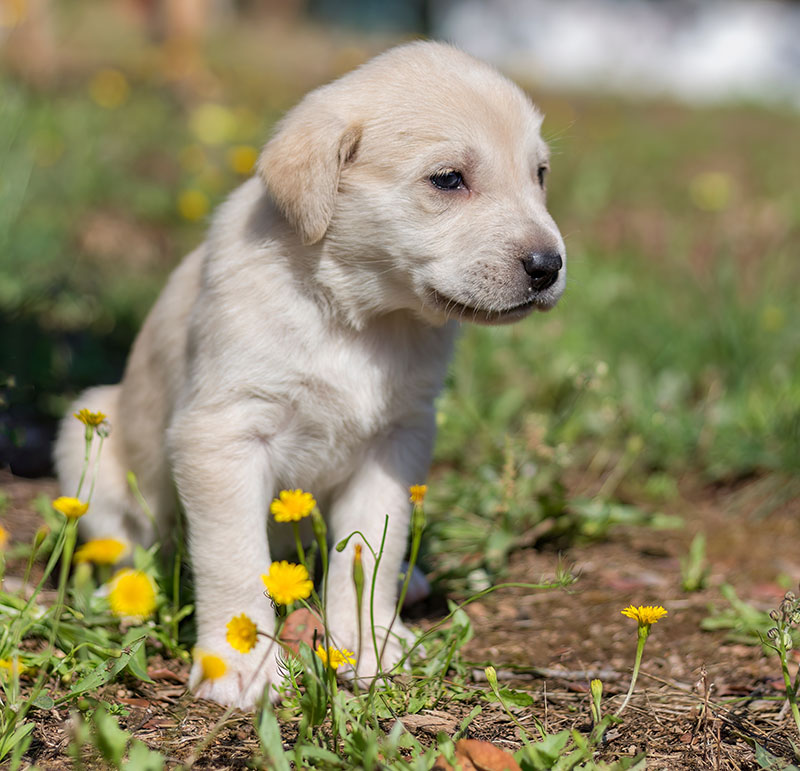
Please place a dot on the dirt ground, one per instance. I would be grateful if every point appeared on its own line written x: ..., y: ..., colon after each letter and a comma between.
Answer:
x: 553, y: 643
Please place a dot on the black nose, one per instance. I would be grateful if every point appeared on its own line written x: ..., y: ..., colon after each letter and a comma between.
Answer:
x: 543, y: 268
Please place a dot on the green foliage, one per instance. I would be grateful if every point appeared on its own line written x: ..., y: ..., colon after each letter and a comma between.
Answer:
x: 746, y: 623
x: 694, y: 566
x: 767, y: 760
x: 113, y: 744
x: 568, y: 750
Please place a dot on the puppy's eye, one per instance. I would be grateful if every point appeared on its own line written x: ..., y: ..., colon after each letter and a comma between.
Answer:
x: 541, y: 173
x: 448, y: 180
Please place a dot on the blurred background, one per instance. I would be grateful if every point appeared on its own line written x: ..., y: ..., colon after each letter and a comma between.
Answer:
x: 675, y: 354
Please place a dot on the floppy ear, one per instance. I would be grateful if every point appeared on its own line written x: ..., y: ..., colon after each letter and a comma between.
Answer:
x: 301, y: 164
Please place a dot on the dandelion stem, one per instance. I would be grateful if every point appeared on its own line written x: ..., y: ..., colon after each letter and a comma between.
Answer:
x: 491, y: 678
x: 358, y: 583
x: 791, y: 689
x: 644, y: 631
x: 133, y: 484
x: 96, y: 466
x: 89, y: 436
x: 301, y: 554
x: 373, y: 582
x: 66, y: 561
x: 417, y: 527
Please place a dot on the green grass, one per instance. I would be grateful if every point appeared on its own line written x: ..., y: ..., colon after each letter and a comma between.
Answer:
x: 682, y: 291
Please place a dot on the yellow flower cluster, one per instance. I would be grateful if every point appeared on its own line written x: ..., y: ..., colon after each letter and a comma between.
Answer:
x: 212, y: 666
x: 287, y: 582
x: 644, y: 614
x: 242, y: 633
x: 242, y: 159
x: 101, y: 551
x: 133, y: 594
x: 418, y: 493
x: 71, y: 508
x: 4, y: 538
x: 335, y: 657
x: 88, y: 418
x: 292, y: 506
x: 193, y: 204
x: 109, y: 88
x: 9, y: 666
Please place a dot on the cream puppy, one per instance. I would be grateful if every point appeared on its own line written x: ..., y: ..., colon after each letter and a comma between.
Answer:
x: 303, y: 344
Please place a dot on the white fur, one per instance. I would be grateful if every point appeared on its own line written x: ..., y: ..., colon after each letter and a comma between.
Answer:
x: 303, y: 344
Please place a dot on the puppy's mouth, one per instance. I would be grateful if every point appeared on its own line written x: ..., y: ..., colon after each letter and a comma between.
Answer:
x: 463, y: 312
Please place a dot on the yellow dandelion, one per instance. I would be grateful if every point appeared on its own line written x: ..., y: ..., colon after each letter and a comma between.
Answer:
x: 418, y: 493
x: 644, y: 614
x: 212, y: 666
x: 101, y: 551
x: 711, y: 191
x: 193, y: 204
x: 212, y: 124
x: 4, y: 538
x: 133, y: 593
x: 71, y: 508
x: 287, y: 582
x: 292, y: 505
x: 242, y: 633
x: 335, y: 657
x: 242, y: 158
x: 9, y: 666
x: 109, y: 88
x: 14, y: 13
x: 88, y: 418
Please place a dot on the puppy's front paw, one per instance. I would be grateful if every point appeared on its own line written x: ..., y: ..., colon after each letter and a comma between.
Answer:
x: 243, y: 683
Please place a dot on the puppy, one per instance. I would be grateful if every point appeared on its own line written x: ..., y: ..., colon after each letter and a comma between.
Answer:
x: 303, y: 344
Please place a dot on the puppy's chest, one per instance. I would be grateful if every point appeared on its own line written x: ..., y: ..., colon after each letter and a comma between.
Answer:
x: 348, y: 397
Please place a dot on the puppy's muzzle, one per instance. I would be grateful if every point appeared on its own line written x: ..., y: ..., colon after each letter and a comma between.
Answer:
x: 543, y: 268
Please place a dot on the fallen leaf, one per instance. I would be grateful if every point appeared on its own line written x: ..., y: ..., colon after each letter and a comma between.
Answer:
x: 162, y: 673
x: 301, y: 625
x: 134, y: 702
x: 474, y: 755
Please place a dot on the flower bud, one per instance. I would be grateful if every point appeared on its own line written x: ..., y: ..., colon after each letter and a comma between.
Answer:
x: 596, y: 687
x: 491, y: 677
x: 321, y: 534
x: 318, y: 525
x: 358, y: 575
x: 38, y: 539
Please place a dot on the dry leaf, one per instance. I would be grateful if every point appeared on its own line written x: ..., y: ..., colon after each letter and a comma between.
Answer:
x: 474, y: 755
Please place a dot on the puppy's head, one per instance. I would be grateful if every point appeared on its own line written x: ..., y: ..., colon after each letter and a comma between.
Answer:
x: 423, y: 177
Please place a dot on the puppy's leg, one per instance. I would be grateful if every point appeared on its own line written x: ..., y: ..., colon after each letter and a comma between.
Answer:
x: 222, y: 475
x: 377, y: 490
